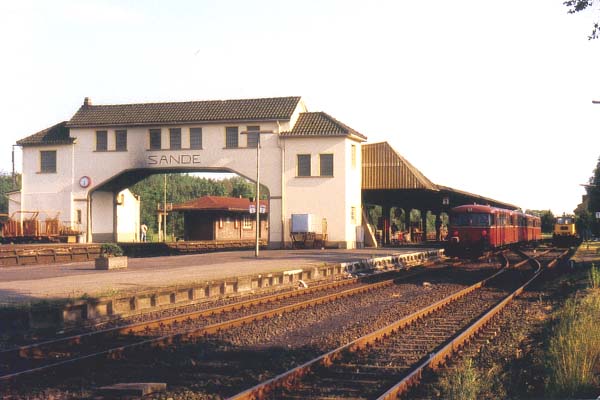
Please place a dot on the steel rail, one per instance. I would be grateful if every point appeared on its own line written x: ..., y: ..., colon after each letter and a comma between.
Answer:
x: 440, y: 357
x: 206, y: 330
x: 35, y: 349
x: 261, y: 390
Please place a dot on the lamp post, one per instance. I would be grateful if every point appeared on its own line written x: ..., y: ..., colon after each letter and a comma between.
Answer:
x: 257, y: 199
x: 257, y: 189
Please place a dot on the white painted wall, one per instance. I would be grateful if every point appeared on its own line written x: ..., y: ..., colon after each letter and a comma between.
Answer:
x: 325, y: 197
x: 128, y: 217
x: 213, y: 156
x: 14, y: 202
x: 48, y: 192
x: 102, y: 218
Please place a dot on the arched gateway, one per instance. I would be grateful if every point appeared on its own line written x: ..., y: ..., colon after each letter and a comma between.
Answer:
x: 309, y: 161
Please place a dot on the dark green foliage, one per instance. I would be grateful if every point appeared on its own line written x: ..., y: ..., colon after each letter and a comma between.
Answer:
x: 7, y: 185
x: 547, y: 218
x: 587, y: 224
x: 111, y: 250
x: 181, y: 188
x: 593, y: 192
x: 576, y: 6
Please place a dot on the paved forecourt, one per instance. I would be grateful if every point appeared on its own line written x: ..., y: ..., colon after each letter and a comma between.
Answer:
x: 28, y: 284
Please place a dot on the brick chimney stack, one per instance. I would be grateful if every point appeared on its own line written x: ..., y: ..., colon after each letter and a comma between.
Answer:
x: 87, y: 101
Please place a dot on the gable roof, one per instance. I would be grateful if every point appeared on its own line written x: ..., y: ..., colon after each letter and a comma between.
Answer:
x: 384, y: 168
x: 269, y: 109
x: 56, y: 134
x: 320, y: 124
x: 218, y: 203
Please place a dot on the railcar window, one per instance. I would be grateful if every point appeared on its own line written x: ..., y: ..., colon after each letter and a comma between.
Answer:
x: 474, y: 219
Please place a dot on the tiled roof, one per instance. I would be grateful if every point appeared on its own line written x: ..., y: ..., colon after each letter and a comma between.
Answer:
x: 57, y: 134
x: 276, y: 108
x: 320, y: 124
x: 217, y: 203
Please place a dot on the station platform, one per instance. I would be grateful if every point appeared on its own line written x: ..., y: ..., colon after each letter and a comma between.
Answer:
x: 161, y: 281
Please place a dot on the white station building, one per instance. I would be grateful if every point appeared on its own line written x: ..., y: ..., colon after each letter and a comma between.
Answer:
x: 81, y: 168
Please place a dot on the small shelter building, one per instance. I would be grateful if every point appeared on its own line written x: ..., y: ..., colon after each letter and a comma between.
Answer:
x: 222, y: 218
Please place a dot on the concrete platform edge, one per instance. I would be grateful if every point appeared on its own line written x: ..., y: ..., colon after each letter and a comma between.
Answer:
x: 97, y: 310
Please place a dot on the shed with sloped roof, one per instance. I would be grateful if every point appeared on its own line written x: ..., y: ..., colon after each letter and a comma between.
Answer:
x: 392, y: 182
x: 222, y: 218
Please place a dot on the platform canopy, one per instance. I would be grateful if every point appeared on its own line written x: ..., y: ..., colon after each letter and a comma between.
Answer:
x: 389, y: 180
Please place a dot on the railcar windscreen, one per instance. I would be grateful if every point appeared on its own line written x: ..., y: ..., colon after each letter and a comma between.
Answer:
x: 564, y: 220
x: 471, y: 219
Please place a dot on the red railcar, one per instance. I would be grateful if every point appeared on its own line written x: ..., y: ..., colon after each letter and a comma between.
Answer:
x: 475, y: 229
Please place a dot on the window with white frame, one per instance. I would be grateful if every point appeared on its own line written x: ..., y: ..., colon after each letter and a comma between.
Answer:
x: 253, y: 136
x: 195, y: 138
x: 48, y: 161
x: 101, y: 141
x: 231, y: 137
x: 303, y: 164
x: 121, y: 140
x: 326, y: 164
x: 175, y: 138
x: 155, y: 139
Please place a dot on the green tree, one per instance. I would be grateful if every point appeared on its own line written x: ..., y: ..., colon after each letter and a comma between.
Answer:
x: 593, y: 197
x: 576, y: 6
x: 547, y: 218
x: 181, y: 188
x: 7, y: 185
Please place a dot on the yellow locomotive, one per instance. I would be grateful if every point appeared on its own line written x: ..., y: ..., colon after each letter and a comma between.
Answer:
x: 565, y: 233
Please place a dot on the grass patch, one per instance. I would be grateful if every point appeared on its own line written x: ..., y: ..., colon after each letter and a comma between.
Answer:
x: 574, y: 348
x: 464, y: 382
x: 594, y: 277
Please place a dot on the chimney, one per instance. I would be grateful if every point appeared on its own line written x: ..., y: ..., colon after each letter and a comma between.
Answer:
x: 87, y: 102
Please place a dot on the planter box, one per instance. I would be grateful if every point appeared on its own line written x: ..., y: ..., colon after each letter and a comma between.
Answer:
x: 111, y: 263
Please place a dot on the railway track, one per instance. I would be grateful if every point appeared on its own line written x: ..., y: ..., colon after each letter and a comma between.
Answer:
x: 112, y: 342
x: 387, y: 362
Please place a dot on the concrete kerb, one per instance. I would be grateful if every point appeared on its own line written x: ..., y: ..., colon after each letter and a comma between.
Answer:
x: 97, y: 310
x: 400, y: 261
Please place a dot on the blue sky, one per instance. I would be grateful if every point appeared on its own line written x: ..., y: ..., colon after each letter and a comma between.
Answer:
x: 489, y: 97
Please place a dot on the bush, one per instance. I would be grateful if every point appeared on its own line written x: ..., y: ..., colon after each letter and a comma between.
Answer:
x: 464, y: 382
x: 594, y: 277
x: 111, y: 250
x: 574, y: 348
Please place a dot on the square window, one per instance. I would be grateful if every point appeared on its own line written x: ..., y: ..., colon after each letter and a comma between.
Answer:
x: 303, y: 164
x: 155, y: 141
x: 195, y: 138
x: 326, y: 164
x: 253, y: 136
x: 48, y: 162
x: 121, y: 140
x: 101, y: 141
x: 231, y: 137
